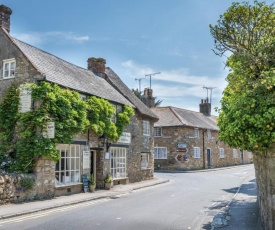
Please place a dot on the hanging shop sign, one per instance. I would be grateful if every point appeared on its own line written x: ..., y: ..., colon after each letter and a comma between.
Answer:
x: 125, y: 138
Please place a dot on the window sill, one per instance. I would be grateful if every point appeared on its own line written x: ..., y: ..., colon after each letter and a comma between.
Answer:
x: 146, y: 169
x: 67, y: 185
x: 6, y: 78
x: 120, y: 178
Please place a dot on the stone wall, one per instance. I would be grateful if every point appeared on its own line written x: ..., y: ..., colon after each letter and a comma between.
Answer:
x: 45, y: 178
x: 183, y: 159
x: 24, y: 72
x: 140, y: 144
x: 11, y: 189
x: 265, y: 177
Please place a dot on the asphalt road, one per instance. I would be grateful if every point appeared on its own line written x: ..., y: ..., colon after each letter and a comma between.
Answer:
x: 188, y: 201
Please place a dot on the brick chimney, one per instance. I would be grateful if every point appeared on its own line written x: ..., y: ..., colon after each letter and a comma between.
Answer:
x: 205, y: 107
x: 97, y: 65
x: 5, y: 13
x: 147, y: 98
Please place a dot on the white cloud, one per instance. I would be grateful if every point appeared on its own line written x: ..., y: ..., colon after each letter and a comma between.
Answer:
x: 177, y: 87
x: 35, y: 38
x: 180, y: 78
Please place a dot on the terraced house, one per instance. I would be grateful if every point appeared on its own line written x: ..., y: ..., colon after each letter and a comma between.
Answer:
x: 187, y: 140
x: 130, y: 159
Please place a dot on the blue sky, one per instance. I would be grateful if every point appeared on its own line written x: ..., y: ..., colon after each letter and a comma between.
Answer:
x: 136, y: 38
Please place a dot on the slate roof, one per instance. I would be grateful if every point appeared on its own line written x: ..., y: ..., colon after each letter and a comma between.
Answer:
x: 114, y: 79
x: 63, y: 73
x: 172, y: 116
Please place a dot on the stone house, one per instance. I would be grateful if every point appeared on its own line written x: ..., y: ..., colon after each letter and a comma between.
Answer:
x: 186, y: 140
x: 130, y: 159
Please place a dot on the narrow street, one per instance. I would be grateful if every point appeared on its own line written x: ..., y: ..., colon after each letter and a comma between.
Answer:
x: 188, y: 201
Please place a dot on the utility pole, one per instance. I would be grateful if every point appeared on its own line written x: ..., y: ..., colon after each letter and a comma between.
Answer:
x: 150, y: 75
x: 209, y: 88
x: 139, y: 79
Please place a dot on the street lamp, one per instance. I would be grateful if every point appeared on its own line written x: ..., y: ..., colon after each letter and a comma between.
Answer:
x: 150, y: 75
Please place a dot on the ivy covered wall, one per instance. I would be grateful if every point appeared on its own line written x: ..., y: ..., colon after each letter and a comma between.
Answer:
x: 22, y: 134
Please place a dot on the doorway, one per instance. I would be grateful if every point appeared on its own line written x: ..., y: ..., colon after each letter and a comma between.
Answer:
x: 209, y: 158
x: 93, y: 164
x: 242, y: 156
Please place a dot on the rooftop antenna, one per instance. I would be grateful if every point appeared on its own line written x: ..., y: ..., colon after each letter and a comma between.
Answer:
x: 139, y: 79
x: 150, y: 75
x: 209, y: 88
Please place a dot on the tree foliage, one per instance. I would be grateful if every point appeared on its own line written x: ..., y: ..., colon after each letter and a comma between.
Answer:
x: 248, y: 102
x: 21, y: 134
x: 139, y: 95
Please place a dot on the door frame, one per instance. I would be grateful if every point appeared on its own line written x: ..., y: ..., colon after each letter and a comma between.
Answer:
x: 209, y: 157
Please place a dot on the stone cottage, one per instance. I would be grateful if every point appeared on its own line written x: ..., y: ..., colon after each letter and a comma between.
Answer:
x: 130, y: 159
x: 186, y: 140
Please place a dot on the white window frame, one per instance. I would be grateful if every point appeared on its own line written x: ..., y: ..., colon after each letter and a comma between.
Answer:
x: 67, y: 169
x: 118, y: 162
x: 209, y: 134
x: 222, y: 155
x: 197, y: 152
x: 144, y: 160
x: 157, y: 131
x: 160, y: 153
x: 146, y: 128
x: 196, y: 133
x: 235, y: 153
x: 11, y: 71
x: 113, y: 118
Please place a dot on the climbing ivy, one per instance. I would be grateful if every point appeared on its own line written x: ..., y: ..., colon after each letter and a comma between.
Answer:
x: 123, y: 118
x: 21, y: 134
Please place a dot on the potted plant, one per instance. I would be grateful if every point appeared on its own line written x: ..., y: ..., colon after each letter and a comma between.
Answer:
x: 92, y: 184
x: 108, y: 180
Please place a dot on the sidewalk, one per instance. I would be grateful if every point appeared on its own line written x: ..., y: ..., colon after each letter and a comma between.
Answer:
x: 242, y: 212
x: 12, y: 210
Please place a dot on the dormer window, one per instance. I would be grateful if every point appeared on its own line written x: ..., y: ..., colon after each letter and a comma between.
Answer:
x: 9, y: 68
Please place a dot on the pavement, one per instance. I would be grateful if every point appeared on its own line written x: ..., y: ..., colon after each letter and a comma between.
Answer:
x: 241, y: 213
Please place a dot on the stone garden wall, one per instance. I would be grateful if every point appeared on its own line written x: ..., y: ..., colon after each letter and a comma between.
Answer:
x: 265, y: 177
x: 16, y: 188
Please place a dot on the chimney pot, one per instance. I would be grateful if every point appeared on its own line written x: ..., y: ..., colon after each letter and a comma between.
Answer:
x: 97, y: 65
x: 5, y: 13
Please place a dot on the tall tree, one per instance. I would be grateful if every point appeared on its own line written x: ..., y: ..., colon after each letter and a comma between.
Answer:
x: 247, y: 33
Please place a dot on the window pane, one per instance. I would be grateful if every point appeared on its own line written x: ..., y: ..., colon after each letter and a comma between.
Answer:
x: 68, y: 166
x: 118, y: 162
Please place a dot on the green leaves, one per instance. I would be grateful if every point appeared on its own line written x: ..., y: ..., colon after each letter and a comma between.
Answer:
x: 247, y: 111
x: 21, y: 134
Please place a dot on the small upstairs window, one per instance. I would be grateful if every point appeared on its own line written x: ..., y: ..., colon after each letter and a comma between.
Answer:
x: 208, y: 134
x: 9, y: 68
x: 196, y: 133
x: 157, y: 132
x: 146, y: 128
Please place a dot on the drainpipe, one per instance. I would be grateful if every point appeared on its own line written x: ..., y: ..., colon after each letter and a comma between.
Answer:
x: 203, y: 152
